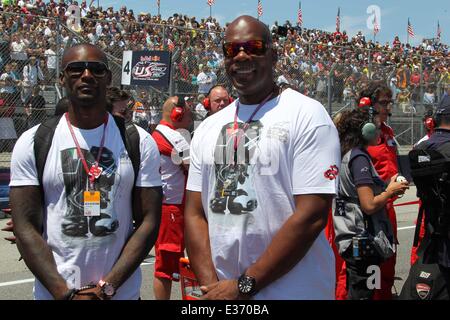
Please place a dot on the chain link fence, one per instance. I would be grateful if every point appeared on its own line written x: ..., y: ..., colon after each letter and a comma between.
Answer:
x: 31, y: 48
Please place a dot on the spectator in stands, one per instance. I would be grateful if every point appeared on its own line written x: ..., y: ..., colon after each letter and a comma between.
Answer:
x: 429, y: 99
x: 18, y: 50
x: 403, y: 100
x: 51, y: 61
x: 32, y: 74
x: 206, y: 79
x: 35, y: 108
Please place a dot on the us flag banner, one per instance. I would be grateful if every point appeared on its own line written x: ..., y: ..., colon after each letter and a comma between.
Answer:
x: 338, y: 20
x: 210, y: 2
x: 300, y: 15
x: 376, y: 27
x: 439, y: 31
x: 410, y: 29
x: 260, y: 8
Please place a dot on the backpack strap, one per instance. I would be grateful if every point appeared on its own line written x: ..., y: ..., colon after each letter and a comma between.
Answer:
x: 42, y: 143
x: 419, y: 224
x: 131, y: 140
x: 44, y: 137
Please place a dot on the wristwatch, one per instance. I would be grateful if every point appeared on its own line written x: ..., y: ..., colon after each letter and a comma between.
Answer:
x: 246, y: 285
x: 107, y: 288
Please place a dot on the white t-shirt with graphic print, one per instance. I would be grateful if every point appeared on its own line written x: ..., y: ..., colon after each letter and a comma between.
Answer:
x: 86, y: 248
x: 290, y: 148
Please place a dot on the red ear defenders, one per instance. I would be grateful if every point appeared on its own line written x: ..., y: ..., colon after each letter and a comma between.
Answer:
x: 178, y: 111
x: 430, y: 124
x: 207, y: 103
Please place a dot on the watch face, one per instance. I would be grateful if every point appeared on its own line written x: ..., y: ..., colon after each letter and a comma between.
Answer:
x: 108, y: 289
x: 246, y: 284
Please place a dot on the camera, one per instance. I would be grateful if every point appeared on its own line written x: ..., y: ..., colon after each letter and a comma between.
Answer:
x: 362, y: 247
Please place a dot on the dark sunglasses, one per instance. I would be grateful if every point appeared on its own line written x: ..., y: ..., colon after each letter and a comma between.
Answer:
x: 254, y: 47
x: 97, y: 68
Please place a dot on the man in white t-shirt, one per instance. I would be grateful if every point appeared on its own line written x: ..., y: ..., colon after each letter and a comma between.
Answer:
x: 206, y: 79
x: 261, y: 180
x: 86, y: 229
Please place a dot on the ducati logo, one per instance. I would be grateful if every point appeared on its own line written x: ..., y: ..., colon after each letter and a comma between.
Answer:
x: 425, y: 275
x: 423, y: 290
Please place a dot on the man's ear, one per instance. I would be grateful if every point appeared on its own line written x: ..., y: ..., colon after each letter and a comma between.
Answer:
x: 62, y: 81
x: 109, y: 79
x: 274, y: 56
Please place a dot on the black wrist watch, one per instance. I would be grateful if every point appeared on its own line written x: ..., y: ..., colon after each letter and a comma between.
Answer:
x: 246, y: 285
x: 107, y: 288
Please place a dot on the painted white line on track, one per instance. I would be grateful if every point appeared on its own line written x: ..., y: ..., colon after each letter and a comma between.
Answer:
x: 13, y: 283
x: 406, y: 228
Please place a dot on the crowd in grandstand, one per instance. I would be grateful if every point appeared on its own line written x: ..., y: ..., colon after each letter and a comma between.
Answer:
x: 310, y: 60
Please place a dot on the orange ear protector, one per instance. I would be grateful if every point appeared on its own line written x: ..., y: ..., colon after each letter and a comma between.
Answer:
x: 430, y: 124
x: 178, y: 111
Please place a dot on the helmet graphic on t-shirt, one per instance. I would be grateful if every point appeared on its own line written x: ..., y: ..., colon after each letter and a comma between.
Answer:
x: 234, y: 188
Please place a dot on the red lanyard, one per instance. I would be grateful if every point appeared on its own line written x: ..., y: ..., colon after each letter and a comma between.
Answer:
x: 246, y: 123
x: 95, y: 171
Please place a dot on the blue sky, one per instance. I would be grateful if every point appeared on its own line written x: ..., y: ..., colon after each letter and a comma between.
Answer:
x: 320, y: 14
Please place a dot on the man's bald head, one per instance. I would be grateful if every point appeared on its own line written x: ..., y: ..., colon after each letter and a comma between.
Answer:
x: 85, y: 49
x: 244, y: 25
x: 251, y: 67
x: 170, y: 103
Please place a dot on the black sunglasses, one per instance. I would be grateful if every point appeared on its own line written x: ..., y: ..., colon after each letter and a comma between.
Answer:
x: 254, y: 47
x: 97, y: 68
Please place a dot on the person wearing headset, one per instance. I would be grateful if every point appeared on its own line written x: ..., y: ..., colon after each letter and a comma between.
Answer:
x: 217, y: 99
x: 383, y: 154
x: 364, y: 234
x: 429, y: 123
x: 173, y: 146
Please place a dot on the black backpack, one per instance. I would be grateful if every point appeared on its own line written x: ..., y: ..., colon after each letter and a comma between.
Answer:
x: 44, y: 136
x: 429, y: 170
x: 425, y: 281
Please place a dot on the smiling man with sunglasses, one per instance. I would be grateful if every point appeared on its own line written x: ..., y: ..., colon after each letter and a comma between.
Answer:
x: 85, y: 230
x: 261, y: 180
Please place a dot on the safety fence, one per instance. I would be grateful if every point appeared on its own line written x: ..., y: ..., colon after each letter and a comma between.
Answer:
x: 31, y: 49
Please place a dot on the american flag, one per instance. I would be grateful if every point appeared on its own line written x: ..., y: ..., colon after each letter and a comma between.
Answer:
x: 376, y: 27
x: 410, y: 29
x: 210, y: 2
x: 439, y: 31
x: 338, y: 20
x: 260, y: 9
x: 300, y: 15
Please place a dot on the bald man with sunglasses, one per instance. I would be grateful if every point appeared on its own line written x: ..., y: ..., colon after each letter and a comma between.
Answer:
x: 261, y: 179
x: 87, y: 225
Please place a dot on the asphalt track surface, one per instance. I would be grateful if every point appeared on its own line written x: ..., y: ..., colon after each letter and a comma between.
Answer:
x: 16, y: 281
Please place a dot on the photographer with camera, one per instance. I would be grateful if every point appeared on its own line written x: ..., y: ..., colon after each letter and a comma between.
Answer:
x: 430, y: 169
x: 364, y: 234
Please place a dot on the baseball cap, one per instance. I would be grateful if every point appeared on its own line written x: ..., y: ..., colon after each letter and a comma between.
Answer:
x: 444, y: 106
